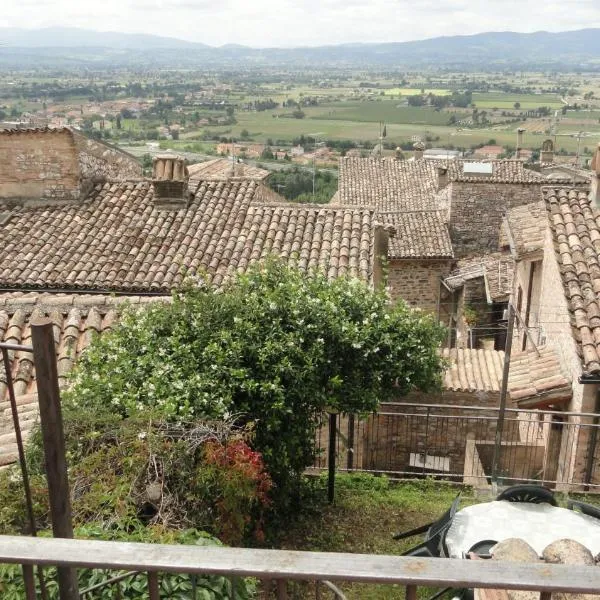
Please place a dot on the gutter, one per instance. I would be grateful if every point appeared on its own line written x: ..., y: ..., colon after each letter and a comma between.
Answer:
x: 78, y: 291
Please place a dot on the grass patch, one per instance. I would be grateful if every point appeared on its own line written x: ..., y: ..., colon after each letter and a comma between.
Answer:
x: 507, y: 101
x: 375, y: 111
x: 415, y: 91
x: 367, y: 511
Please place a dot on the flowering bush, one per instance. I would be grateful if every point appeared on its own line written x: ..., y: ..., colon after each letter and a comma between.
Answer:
x: 276, y: 346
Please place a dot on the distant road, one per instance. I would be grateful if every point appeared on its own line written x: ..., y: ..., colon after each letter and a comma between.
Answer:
x: 139, y: 151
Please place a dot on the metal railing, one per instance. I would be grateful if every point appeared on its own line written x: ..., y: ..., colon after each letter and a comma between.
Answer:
x: 456, y: 443
x: 279, y: 567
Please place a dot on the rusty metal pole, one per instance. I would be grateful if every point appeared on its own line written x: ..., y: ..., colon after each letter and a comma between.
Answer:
x: 331, y: 458
x: 44, y: 356
x: 503, y: 393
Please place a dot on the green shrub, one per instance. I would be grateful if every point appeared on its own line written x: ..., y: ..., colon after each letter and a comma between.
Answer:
x: 127, y: 472
x: 275, y: 346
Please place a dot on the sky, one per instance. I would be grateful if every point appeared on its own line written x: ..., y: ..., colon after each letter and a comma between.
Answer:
x: 263, y: 23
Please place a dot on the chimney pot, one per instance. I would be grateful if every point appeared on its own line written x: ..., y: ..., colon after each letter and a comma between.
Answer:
x: 170, y: 182
x: 419, y: 148
x: 442, y: 177
x: 547, y: 153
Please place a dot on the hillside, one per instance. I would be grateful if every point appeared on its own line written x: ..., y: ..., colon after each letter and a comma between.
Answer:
x: 72, y: 47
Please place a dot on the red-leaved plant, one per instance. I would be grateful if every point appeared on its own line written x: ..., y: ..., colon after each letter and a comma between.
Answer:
x: 242, y: 485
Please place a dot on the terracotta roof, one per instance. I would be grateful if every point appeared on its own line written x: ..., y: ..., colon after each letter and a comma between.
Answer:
x: 525, y: 228
x: 220, y: 169
x: 497, y: 268
x: 575, y: 226
x: 388, y: 184
x: 537, y: 379
x: 419, y: 234
x: 473, y: 370
x: 117, y: 240
x: 76, y: 320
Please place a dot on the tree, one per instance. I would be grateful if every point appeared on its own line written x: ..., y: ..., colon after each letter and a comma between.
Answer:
x: 517, y: 105
x: 244, y: 134
x: 276, y: 347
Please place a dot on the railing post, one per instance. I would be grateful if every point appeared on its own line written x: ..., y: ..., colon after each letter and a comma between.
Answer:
x: 153, y: 589
x: 331, y: 458
x: 44, y: 356
x: 350, y: 456
x: 282, y: 589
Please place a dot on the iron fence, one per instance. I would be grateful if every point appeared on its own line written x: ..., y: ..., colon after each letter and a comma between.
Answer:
x: 457, y: 443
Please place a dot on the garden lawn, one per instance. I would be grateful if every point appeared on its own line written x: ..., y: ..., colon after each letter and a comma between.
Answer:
x: 367, y: 511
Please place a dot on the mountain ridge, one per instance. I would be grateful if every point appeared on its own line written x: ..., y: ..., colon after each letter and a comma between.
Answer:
x: 81, y: 46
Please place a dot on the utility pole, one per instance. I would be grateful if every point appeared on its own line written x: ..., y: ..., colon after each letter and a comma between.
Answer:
x: 503, y: 393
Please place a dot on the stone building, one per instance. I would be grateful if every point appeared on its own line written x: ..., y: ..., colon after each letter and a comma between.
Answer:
x: 81, y: 232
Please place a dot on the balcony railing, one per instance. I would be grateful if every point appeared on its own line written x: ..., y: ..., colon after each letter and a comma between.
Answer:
x: 457, y: 443
x: 281, y: 566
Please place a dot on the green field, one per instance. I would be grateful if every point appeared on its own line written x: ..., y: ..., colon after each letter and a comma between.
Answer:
x: 378, y: 110
x: 507, y: 101
x: 262, y: 125
x: 414, y: 91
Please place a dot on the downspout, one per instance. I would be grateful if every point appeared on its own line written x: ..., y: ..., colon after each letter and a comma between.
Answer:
x: 593, y: 443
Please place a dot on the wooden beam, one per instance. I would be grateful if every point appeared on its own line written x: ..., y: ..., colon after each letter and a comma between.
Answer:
x: 286, y: 564
x: 44, y: 356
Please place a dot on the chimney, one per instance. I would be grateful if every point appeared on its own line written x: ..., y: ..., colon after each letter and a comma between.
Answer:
x: 520, y: 133
x: 547, y: 153
x: 170, y: 182
x: 381, y: 241
x: 419, y: 148
x: 595, y: 187
x: 399, y: 153
x: 442, y: 173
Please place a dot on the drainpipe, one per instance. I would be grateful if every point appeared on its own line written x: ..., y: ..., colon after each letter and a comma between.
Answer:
x: 593, y: 444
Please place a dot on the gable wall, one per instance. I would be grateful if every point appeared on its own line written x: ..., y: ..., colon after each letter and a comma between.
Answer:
x: 417, y: 281
x: 39, y: 165
x: 476, y: 211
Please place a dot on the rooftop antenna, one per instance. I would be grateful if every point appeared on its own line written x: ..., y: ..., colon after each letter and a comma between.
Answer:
x: 232, y: 157
x: 554, y: 128
x: 315, y: 137
x: 579, y: 136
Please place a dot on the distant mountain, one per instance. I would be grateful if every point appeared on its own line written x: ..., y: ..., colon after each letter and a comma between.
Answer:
x: 78, y: 47
x: 72, y: 37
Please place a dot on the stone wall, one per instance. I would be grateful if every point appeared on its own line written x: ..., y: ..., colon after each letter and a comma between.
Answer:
x: 102, y: 162
x: 551, y: 322
x: 417, y: 281
x: 476, y: 211
x: 39, y: 165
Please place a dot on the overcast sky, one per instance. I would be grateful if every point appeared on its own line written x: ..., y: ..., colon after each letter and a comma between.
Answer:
x: 303, y: 22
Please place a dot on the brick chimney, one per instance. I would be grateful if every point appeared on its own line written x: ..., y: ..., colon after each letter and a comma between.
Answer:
x: 381, y: 242
x: 547, y: 153
x: 170, y: 182
x: 419, y: 148
x: 595, y: 187
x: 442, y: 173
